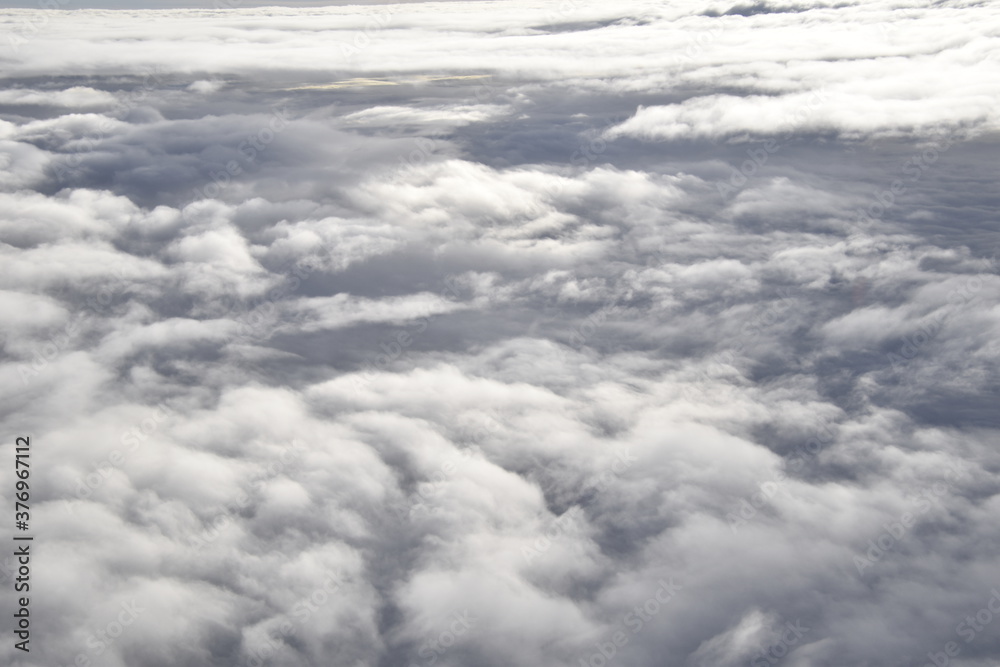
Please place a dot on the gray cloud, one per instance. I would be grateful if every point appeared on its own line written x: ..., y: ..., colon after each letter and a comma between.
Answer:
x: 460, y: 333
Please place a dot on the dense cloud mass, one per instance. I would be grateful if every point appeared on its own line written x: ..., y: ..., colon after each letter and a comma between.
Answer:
x: 504, y: 333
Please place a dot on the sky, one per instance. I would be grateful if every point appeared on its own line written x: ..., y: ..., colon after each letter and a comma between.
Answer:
x: 504, y: 333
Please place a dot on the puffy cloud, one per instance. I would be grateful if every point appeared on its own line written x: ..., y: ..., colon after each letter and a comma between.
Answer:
x: 490, y: 333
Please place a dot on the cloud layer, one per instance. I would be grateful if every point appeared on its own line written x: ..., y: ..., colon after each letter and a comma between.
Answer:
x: 491, y: 333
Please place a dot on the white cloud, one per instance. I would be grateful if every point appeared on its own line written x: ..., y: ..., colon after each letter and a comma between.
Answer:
x: 77, y: 97
x: 472, y: 329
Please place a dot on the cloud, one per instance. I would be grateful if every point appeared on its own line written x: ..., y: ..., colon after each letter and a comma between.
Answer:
x: 452, y: 333
x: 77, y: 97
